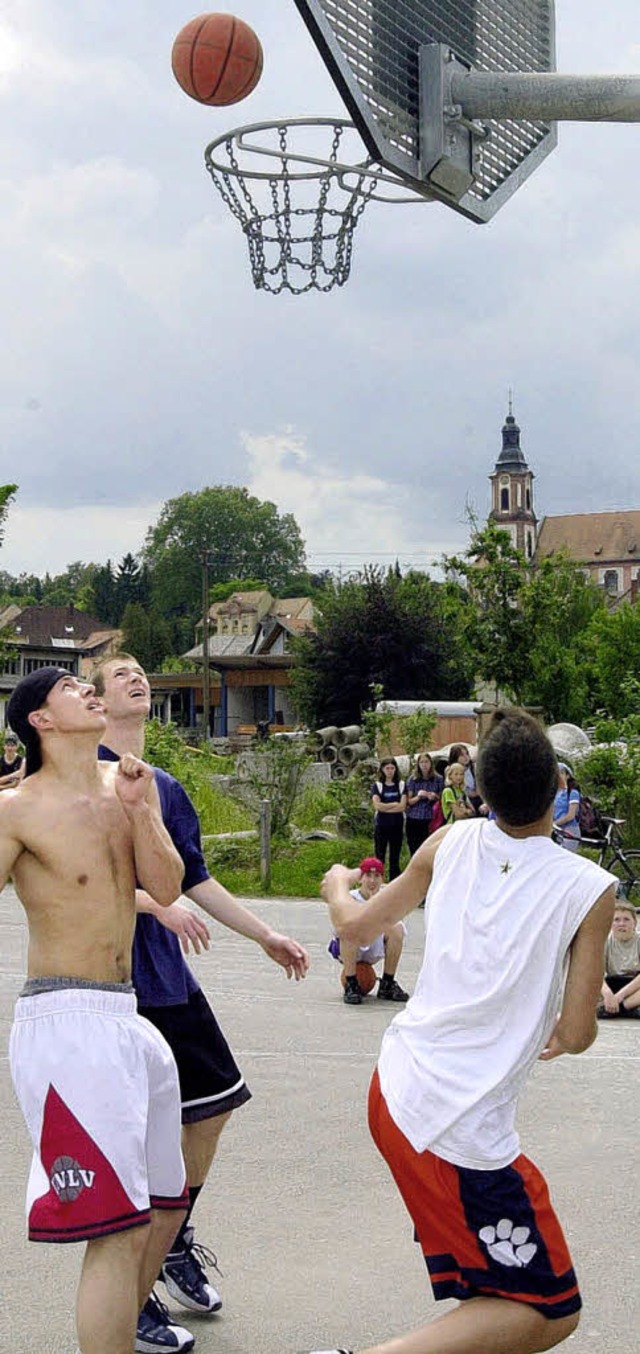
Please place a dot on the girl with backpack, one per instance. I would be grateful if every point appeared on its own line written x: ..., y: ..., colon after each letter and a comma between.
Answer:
x: 389, y: 800
x: 566, y: 809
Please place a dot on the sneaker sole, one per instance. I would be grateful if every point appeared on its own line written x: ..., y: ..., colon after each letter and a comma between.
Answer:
x: 152, y: 1347
x: 188, y: 1303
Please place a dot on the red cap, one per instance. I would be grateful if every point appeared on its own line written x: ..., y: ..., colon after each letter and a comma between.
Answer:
x: 371, y: 863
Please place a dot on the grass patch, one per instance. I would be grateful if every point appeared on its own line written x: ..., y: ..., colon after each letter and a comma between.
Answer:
x: 296, y: 871
x: 219, y: 812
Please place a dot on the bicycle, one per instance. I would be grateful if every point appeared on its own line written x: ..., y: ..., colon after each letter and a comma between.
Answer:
x: 613, y: 857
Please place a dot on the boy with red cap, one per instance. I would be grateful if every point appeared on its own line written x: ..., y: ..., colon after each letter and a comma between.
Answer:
x: 387, y: 947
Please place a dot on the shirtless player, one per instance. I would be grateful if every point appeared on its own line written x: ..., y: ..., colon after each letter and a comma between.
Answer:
x: 97, y: 1085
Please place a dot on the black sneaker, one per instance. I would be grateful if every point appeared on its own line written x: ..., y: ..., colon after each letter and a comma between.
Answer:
x: 156, y: 1333
x: 352, y: 994
x: 186, y: 1278
x: 390, y: 990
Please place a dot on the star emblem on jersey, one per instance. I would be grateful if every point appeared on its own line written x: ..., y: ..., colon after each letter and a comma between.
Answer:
x: 504, y: 869
x: 509, y: 1245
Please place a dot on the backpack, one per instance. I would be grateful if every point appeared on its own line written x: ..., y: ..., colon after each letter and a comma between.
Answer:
x: 437, y: 817
x: 588, y: 820
x: 401, y: 787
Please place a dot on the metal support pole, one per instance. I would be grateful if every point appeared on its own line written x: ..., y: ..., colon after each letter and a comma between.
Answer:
x: 265, y: 843
x: 543, y: 97
x: 206, y: 676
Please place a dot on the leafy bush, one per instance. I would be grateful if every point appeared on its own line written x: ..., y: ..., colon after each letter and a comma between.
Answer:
x: 274, y: 771
x: 231, y: 853
x: 194, y: 768
x: 610, y: 774
x: 313, y: 804
x: 352, y: 803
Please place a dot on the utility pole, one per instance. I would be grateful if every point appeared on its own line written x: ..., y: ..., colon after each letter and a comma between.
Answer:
x: 206, y: 676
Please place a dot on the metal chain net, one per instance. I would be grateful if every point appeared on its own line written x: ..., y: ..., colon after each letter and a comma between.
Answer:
x: 295, y: 246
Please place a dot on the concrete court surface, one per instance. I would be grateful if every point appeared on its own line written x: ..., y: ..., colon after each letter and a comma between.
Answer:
x: 313, y: 1240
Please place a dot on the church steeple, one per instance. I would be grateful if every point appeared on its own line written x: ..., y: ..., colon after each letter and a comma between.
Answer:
x: 511, y: 455
x: 512, y: 489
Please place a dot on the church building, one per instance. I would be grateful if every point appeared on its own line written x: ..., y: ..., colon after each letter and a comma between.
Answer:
x: 512, y: 490
x: 606, y: 543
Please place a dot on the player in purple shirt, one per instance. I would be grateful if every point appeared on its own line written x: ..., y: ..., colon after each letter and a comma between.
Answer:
x: 211, y: 1083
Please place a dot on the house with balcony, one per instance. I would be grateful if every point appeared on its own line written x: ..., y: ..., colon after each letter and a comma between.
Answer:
x: 250, y: 661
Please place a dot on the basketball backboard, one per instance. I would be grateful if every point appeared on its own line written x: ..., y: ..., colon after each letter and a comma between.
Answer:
x: 389, y: 58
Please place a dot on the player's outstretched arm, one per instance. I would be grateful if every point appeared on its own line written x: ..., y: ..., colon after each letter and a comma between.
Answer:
x: 224, y: 908
x: 577, y: 1026
x: 159, y: 867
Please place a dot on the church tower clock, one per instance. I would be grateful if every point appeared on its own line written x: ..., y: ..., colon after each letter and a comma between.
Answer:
x: 512, y: 490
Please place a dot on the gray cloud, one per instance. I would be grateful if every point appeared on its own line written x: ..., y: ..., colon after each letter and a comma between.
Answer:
x: 139, y: 359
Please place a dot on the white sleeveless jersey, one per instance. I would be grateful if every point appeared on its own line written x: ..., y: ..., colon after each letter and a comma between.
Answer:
x: 500, y: 917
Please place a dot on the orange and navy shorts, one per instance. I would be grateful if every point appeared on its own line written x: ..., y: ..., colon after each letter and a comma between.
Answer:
x: 482, y: 1233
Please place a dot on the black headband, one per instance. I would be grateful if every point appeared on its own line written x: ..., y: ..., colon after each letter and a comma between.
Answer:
x: 29, y: 695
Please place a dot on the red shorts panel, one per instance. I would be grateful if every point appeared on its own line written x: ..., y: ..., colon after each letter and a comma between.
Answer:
x: 483, y: 1233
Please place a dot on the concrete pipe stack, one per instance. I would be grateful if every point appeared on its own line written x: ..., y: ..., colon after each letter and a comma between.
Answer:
x: 342, y: 747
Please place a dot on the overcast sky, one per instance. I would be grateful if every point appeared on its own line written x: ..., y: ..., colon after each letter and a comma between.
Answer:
x: 139, y: 362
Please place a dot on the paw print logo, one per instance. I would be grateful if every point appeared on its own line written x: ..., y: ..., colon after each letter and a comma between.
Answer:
x: 507, y: 1244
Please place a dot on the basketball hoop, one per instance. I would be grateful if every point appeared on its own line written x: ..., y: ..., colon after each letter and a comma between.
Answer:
x: 298, y: 200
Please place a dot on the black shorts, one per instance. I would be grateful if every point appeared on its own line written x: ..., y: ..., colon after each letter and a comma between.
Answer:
x: 211, y: 1083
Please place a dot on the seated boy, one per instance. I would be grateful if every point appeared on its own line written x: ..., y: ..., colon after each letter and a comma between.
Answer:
x: 621, y: 986
x: 387, y: 947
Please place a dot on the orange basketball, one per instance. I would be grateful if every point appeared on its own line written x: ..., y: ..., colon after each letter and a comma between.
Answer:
x: 366, y: 975
x: 217, y: 59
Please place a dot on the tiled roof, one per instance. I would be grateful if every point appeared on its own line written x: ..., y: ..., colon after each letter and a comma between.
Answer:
x: 595, y: 537
x: 42, y: 625
x: 223, y: 645
x: 291, y: 607
x: 244, y: 601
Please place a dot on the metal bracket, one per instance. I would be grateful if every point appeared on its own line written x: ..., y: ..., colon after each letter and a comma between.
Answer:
x: 450, y: 143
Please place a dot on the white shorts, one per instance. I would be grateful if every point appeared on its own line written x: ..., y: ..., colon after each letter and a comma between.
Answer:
x: 98, y: 1087
x: 371, y: 954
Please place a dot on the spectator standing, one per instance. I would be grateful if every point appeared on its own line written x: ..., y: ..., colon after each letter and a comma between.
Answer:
x: 423, y: 789
x: 389, y: 801
x: 455, y: 805
x: 566, y: 809
x: 459, y: 752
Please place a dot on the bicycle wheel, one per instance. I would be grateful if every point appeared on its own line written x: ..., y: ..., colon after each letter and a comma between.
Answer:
x: 629, y: 875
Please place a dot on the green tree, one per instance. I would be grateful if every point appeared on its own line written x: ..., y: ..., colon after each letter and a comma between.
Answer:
x: 612, y: 646
x: 494, y: 625
x: 7, y: 495
x: 221, y: 592
x: 558, y: 606
x: 243, y: 538
x: 380, y: 629
x: 127, y: 583
x: 146, y: 634
x: 74, y: 586
x: 525, y: 625
x: 104, y: 594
